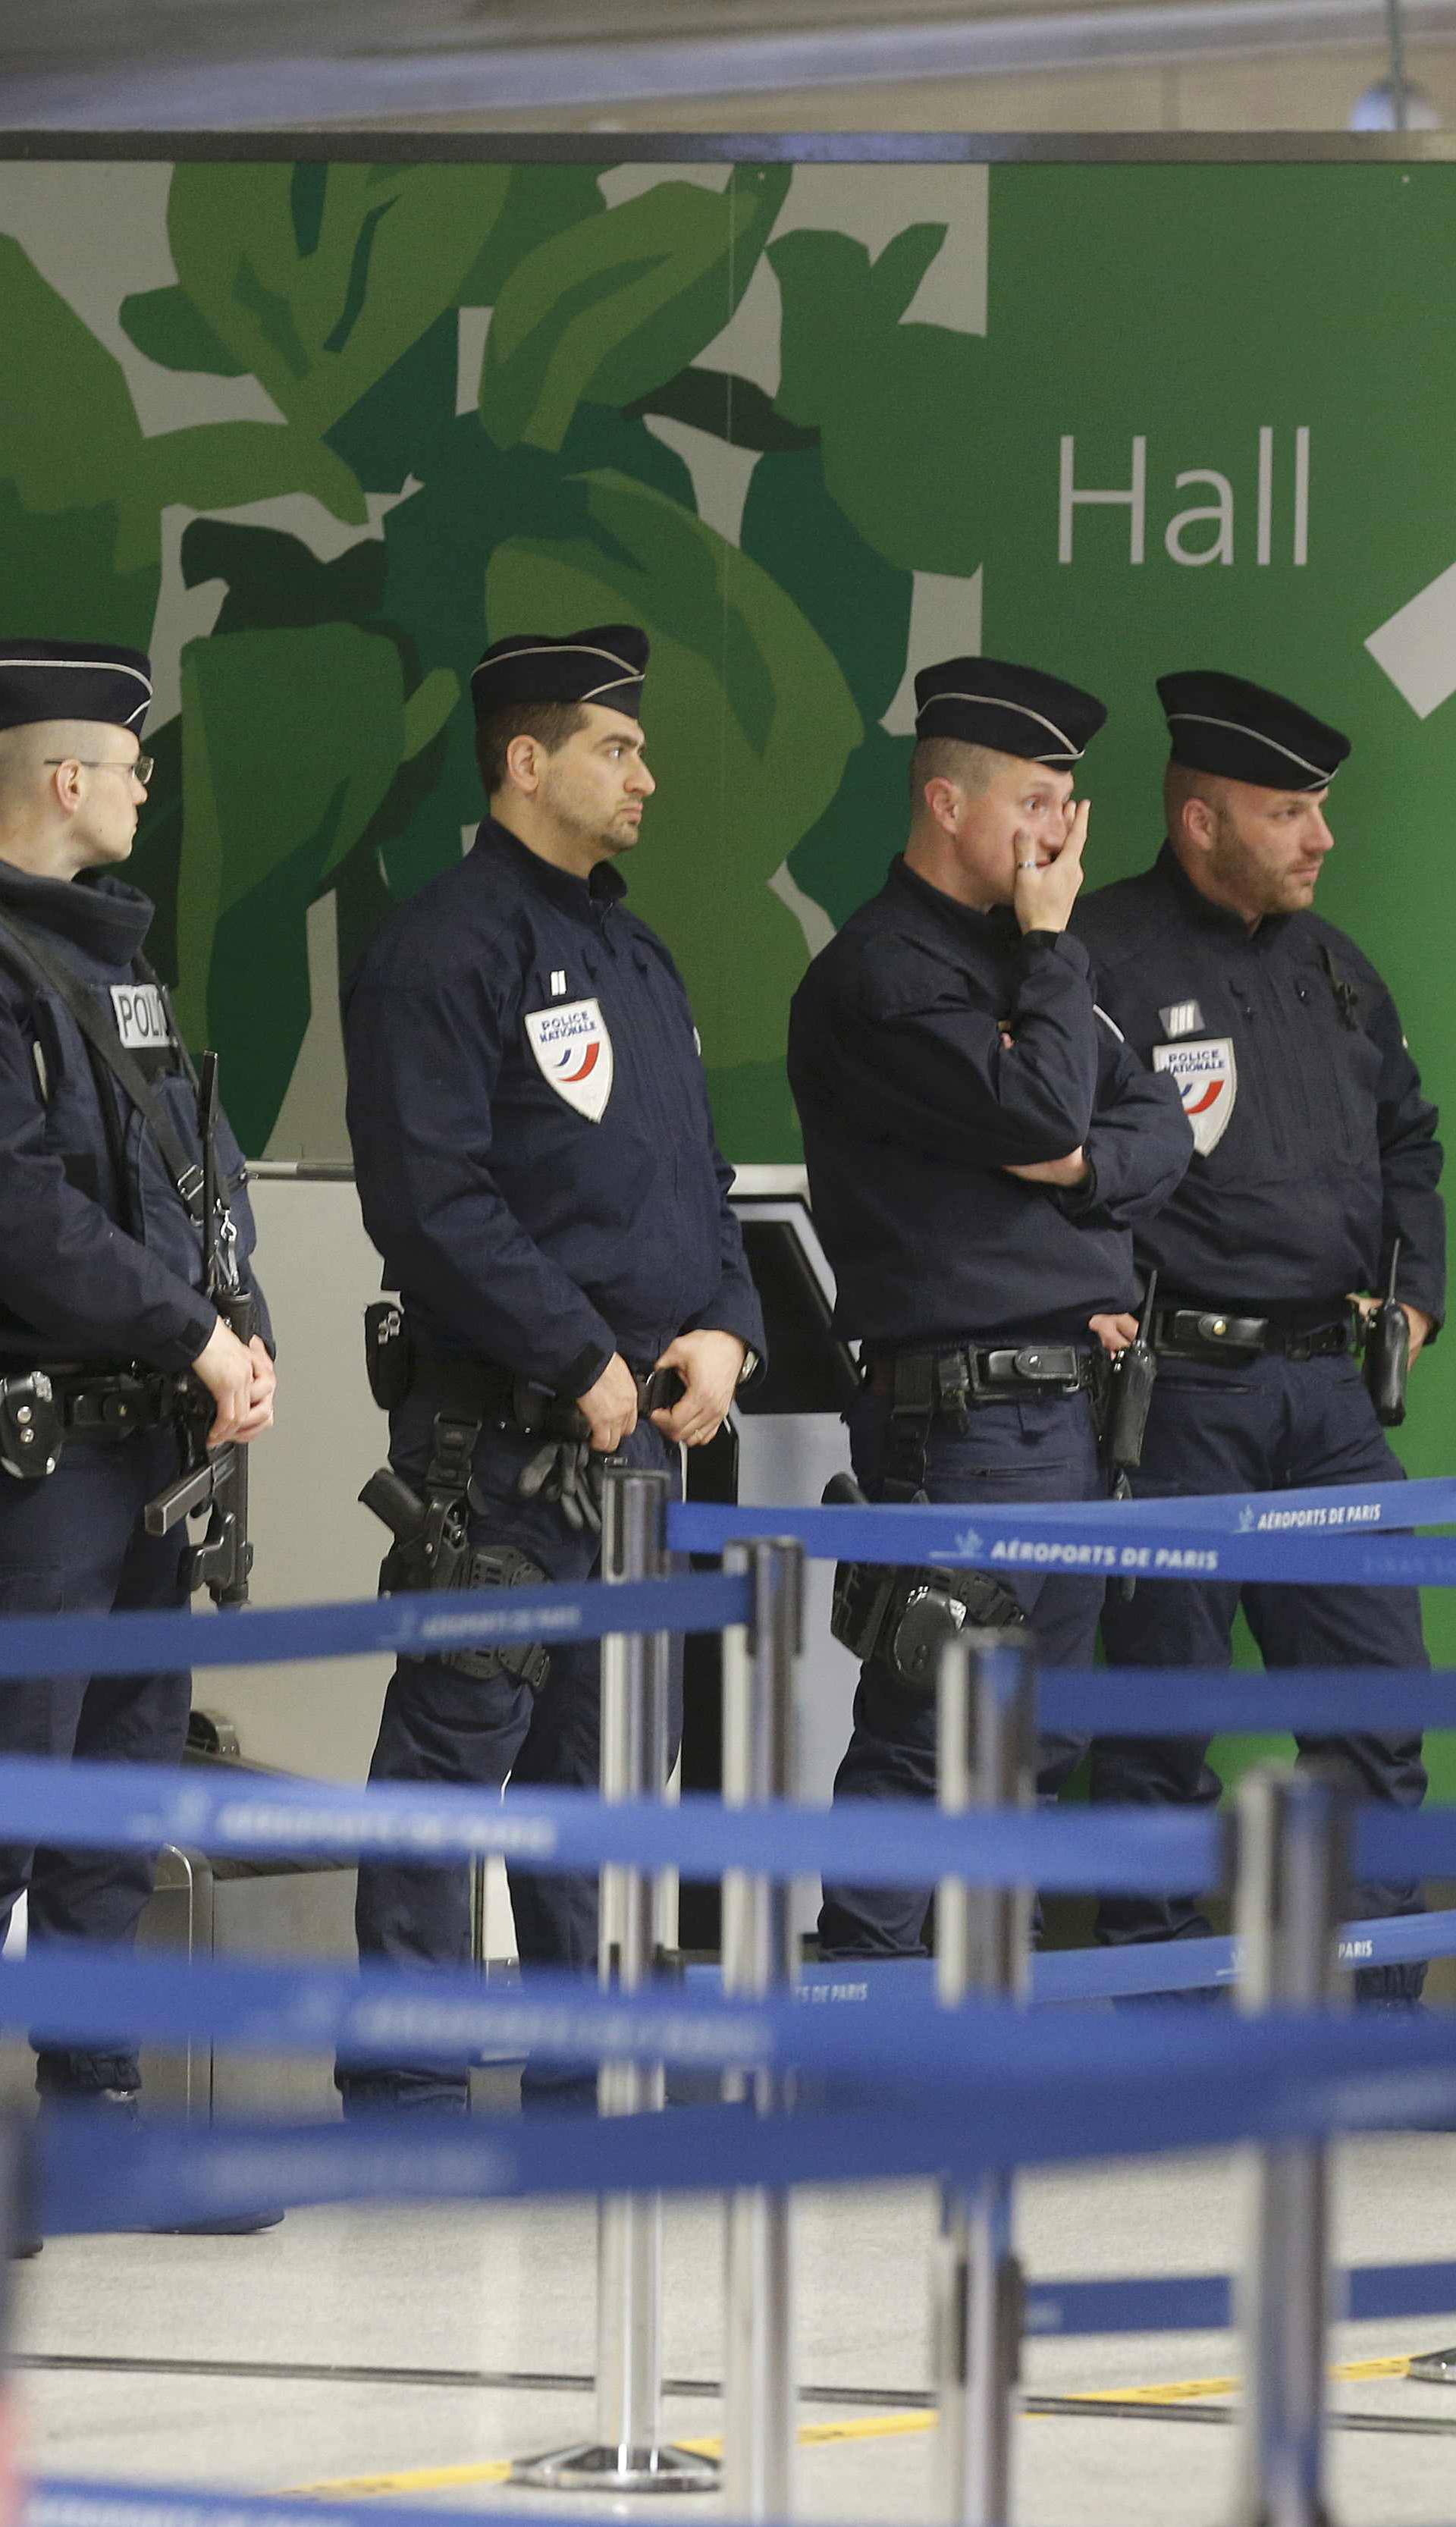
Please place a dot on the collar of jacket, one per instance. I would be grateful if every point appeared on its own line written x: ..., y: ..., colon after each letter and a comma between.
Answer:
x: 1217, y: 917
x: 585, y: 897
x: 995, y: 926
x: 100, y: 916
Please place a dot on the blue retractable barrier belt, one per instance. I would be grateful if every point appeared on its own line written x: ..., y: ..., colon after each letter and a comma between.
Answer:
x: 78, y: 1994
x: 1200, y: 2303
x: 1071, y: 1975
x: 1193, y: 1701
x: 970, y: 2090
x: 420, y: 1625
x: 1318, y: 1509
x: 139, y: 1807
x: 1086, y: 1538
x: 61, y: 2501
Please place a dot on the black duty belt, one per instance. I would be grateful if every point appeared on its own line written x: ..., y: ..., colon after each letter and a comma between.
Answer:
x: 493, y: 1394
x: 101, y: 1403
x: 1222, y: 1333
x: 952, y: 1380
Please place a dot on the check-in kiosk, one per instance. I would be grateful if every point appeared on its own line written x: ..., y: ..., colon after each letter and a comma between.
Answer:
x: 785, y: 1440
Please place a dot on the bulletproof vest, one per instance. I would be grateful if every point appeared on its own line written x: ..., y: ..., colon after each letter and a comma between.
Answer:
x: 102, y: 1142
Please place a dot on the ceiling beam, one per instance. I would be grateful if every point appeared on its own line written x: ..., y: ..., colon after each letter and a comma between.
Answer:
x: 193, y: 86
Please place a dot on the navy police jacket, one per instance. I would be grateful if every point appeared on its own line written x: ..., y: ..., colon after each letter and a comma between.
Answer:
x: 99, y: 1256
x: 1314, y: 1146
x: 533, y: 1144
x: 912, y: 1106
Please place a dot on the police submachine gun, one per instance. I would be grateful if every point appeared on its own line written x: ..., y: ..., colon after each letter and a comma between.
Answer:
x: 903, y: 1618
x: 1388, y: 1352
x: 213, y: 1479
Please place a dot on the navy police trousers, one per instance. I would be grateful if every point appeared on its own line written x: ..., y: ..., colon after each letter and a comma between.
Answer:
x: 440, y: 1725
x: 75, y: 1544
x: 1268, y: 1425
x: 1031, y: 1448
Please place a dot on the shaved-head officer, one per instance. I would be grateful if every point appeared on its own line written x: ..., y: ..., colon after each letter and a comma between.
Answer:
x: 1316, y: 1166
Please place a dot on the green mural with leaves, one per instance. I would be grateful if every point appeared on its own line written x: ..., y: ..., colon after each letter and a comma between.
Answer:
x: 465, y: 400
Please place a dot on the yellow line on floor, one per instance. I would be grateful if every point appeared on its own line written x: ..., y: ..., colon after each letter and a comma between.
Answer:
x: 869, y: 2426
x: 1185, y: 2391
x: 428, y: 2478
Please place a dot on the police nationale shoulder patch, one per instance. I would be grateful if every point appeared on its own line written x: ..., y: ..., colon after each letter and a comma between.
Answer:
x: 141, y: 1013
x: 1207, y: 1074
x: 573, y: 1054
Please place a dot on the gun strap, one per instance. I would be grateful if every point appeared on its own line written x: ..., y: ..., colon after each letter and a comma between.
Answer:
x: 18, y: 943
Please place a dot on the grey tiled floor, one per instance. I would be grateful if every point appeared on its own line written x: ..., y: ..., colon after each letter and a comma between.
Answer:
x: 511, y: 2292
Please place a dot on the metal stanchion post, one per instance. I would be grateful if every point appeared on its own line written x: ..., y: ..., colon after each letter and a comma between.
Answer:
x: 983, y: 1946
x: 760, y: 2411
x: 629, y: 2454
x: 1293, y: 1854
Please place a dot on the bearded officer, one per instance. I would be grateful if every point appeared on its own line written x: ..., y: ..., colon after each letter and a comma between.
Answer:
x: 979, y: 1147
x: 103, y: 1270
x: 535, y: 1162
x: 1317, y: 1164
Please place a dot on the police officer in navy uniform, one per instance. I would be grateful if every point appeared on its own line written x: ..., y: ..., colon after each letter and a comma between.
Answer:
x: 103, y: 1272
x: 979, y: 1146
x: 535, y: 1162
x: 1315, y: 1152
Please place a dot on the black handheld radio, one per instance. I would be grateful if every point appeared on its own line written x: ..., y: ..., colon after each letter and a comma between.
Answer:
x: 1388, y: 1352
x: 1134, y: 1376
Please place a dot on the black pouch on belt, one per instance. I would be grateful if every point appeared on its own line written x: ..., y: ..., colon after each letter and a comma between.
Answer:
x: 388, y: 1353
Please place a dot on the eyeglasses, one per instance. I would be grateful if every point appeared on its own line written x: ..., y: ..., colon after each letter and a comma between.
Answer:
x: 141, y: 770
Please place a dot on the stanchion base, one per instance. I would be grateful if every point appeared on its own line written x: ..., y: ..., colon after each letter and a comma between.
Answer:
x: 1434, y: 2368
x: 589, y: 2469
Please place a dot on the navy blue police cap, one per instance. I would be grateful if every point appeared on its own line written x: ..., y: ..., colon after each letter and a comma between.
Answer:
x: 605, y: 664
x: 1224, y: 725
x: 42, y: 680
x: 1016, y: 710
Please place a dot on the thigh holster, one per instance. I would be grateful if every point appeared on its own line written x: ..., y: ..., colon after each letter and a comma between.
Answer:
x: 432, y: 1549
x: 902, y: 1620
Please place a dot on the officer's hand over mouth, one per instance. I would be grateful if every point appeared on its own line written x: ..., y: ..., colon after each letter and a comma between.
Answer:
x: 610, y: 1406
x: 1046, y: 887
x: 1114, y: 1333
x: 709, y: 1364
x: 242, y: 1382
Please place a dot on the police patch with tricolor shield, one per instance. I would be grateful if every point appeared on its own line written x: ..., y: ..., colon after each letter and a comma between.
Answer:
x: 573, y: 1054
x: 1207, y: 1074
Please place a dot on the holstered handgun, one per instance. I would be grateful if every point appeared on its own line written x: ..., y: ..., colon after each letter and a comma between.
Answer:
x: 902, y: 1618
x: 431, y: 1550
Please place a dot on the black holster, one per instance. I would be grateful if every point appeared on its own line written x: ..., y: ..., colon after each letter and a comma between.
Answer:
x: 903, y: 1618
x: 432, y: 1549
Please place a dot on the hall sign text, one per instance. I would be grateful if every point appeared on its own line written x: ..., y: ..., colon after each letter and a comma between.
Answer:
x: 1277, y: 490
